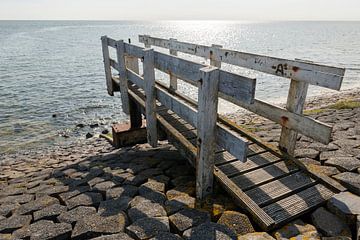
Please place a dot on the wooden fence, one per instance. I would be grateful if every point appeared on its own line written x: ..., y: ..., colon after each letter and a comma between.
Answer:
x: 300, y: 73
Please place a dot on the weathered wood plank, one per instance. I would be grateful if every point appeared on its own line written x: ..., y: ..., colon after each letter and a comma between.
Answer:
x: 275, y: 190
x: 253, y: 162
x: 173, y: 79
x: 315, y: 74
x: 295, y: 104
x: 106, y: 59
x: 206, y: 131
x: 123, y: 83
x: 135, y: 111
x: 150, y: 102
x: 214, y: 59
x: 135, y: 78
x: 264, y: 175
x: 291, y: 207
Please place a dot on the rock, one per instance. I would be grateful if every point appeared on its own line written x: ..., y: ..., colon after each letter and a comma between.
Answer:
x: 326, y: 170
x: 118, y: 236
x: 23, y: 198
x: 256, y: 236
x: 308, y: 161
x: 329, y: 224
x: 178, y: 203
x: 188, y: 218
x: 36, y: 205
x: 53, y: 191
x: 146, y: 228
x: 105, y: 131
x: 156, y: 197
x: 151, y: 186
x: 14, y: 222
x: 54, y: 115
x: 135, y: 180
x: 209, y: 231
x: 44, y: 230
x: 103, y: 186
x: 180, y: 190
x: 306, y: 153
x: 358, y: 228
x: 7, y: 208
x: 50, y: 212
x: 339, y: 153
x: 296, y: 228
x: 125, y: 190
x: 80, y: 125
x: 89, y: 135
x: 166, y: 236
x: 78, y: 190
x: 94, y: 125
x: 237, y: 222
x: 76, y: 214
x: 350, y: 180
x: 146, y: 209
x: 96, y: 225
x: 84, y: 199
x: 114, y: 206
x: 344, y: 163
x: 346, y: 206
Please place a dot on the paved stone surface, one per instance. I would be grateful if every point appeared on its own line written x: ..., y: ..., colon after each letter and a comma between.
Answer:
x: 96, y: 225
x: 76, y: 214
x: 46, y: 230
x: 125, y: 190
x: 344, y: 163
x: 329, y: 224
x: 237, y: 222
x: 350, y: 180
x: 166, y: 236
x: 84, y: 199
x: 14, y: 222
x: 146, y: 209
x: 146, y: 228
x: 178, y: 203
x: 256, y: 236
x: 297, y: 228
x: 50, y: 212
x: 7, y: 208
x: 345, y: 205
x: 118, y: 236
x: 114, y: 206
x: 36, y: 205
x: 209, y: 231
x: 188, y: 218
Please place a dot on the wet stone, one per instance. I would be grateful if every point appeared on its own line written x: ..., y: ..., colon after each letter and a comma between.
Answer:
x: 297, y: 228
x: 209, y: 231
x: 84, y: 199
x: 14, y: 222
x: 329, y: 224
x: 76, y: 214
x: 256, y: 236
x: 96, y: 225
x: 344, y: 163
x: 188, y: 218
x: 350, y: 180
x: 117, y: 236
x: 346, y: 206
x: 125, y: 190
x: 23, y: 198
x: 146, y: 209
x: 178, y: 203
x: 237, y: 222
x: 114, y: 206
x: 50, y: 212
x: 146, y: 228
x: 36, y: 205
x: 44, y: 230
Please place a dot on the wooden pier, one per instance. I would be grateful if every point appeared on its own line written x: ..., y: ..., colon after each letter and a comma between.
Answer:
x: 264, y: 180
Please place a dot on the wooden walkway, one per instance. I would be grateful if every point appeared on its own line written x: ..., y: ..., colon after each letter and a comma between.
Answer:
x: 264, y: 180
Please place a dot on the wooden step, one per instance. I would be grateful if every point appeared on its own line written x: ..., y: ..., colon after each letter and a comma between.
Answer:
x: 281, y: 188
x: 264, y: 175
x: 291, y: 207
x: 252, y: 163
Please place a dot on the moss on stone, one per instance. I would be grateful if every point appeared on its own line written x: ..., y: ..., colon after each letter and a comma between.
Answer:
x: 345, y: 104
x: 314, y: 111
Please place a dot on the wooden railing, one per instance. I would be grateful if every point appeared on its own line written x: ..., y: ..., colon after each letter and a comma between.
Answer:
x: 300, y: 73
x: 210, y: 81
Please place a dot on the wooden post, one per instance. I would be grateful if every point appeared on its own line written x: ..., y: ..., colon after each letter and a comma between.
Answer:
x: 106, y: 56
x: 122, y: 76
x: 206, y: 127
x: 132, y: 63
x: 173, y: 79
x: 213, y: 56
x: 150, y: 101
x: 146, y: 43
x: 295, y: 103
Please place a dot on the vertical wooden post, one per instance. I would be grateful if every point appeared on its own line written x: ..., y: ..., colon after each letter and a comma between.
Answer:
x: 295, y: 103
x: 132, y: 63
x: 214, y: 56
x: 150, y: 97
x: 173, y: 79
x: 122, y: 76
x: 106, y: 56
x: 146, y: 42
x: 206, y: 127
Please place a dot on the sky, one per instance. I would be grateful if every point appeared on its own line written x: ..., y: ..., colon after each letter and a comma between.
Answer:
x: 242, y: 10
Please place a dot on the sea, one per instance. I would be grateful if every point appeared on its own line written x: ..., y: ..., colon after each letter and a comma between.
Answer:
x: 52, y: 79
